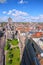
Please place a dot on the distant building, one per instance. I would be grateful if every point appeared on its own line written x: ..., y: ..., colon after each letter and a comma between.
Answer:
x: 10, y: 29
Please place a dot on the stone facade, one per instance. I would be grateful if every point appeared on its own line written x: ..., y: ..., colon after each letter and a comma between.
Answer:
x: 29, y: 55
x: 10, y: 29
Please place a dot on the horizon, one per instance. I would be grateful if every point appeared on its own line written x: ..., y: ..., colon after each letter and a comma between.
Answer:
x: 21, y: 10
x: 20, y: 22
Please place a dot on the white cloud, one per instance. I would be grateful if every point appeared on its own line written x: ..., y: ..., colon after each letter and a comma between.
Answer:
x: 17, y: 15
x: 2, y: 1
x: 22, y: 2
x: 10, y: 11
x: 3, y: 19
x: 4, y: 12
x: 15, y: 12
x: 37, y: 18
x: 20, y: 16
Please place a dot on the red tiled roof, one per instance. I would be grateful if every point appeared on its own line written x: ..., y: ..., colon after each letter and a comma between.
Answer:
x: 37, y: 35
x: 25, y: 29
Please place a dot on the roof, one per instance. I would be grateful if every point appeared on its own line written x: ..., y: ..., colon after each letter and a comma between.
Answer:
x: 37, y: 35
x: 23, y: 29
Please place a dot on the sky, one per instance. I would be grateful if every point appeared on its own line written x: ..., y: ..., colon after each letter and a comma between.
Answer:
x: 21, y: 10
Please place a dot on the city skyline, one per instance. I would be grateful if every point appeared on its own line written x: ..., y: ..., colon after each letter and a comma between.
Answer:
x: 21, y: 10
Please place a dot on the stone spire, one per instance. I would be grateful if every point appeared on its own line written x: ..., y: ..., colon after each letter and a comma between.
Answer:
x: 9, y: 20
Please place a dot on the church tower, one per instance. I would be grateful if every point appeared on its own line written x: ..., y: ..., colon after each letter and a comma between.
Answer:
x: 10, y: 21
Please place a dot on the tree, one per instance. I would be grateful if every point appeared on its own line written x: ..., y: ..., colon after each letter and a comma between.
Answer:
x: 11, y: 55
x: 10, y: 61
x: 8, y: 46
x: 16, y: 33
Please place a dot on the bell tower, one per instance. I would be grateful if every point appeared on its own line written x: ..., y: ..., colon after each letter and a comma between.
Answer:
x: 10, y: 21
